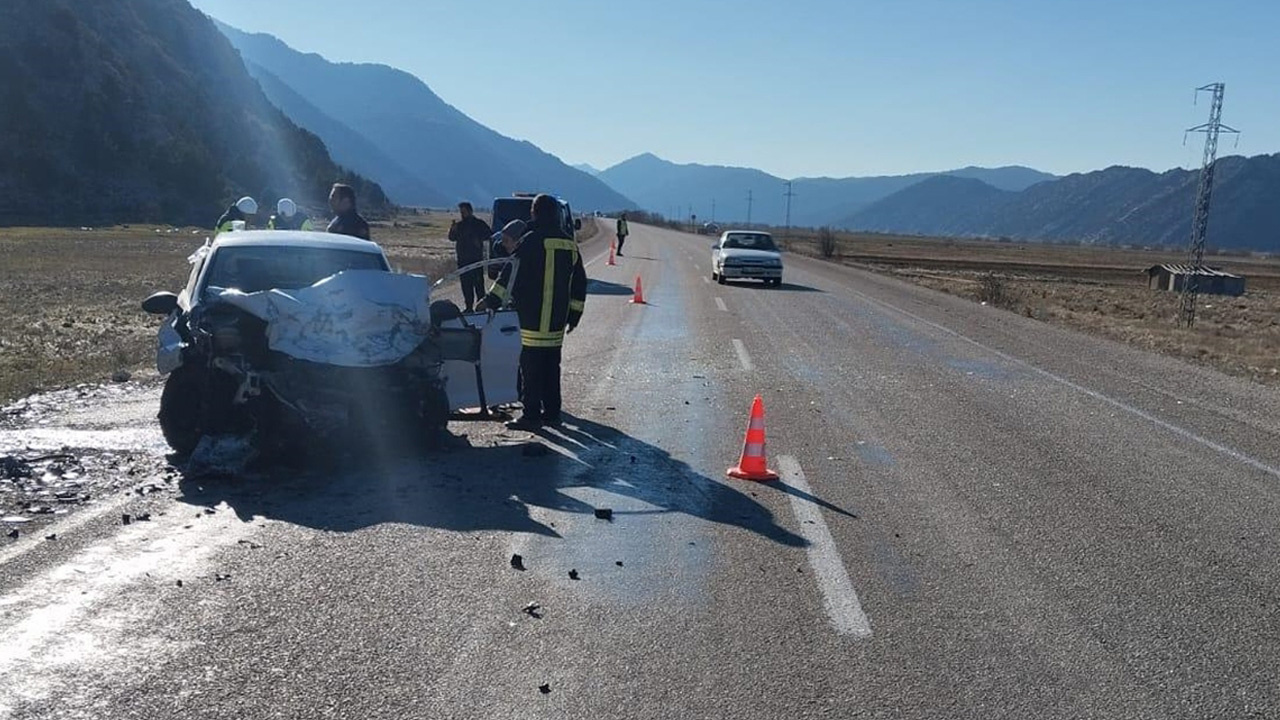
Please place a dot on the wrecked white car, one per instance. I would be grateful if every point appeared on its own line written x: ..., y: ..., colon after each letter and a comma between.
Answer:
x: 284, y: 337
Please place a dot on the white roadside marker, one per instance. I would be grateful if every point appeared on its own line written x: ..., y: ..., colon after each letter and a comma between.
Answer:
x: 742, y: 355
x: 838, y: 596
x: 720, y: 304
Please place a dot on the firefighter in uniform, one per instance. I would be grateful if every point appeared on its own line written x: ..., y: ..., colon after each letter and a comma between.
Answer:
x: 243, y: 210
x: 549, y: 294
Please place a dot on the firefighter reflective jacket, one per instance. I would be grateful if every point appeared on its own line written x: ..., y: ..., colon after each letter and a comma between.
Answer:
x: 550, y: 288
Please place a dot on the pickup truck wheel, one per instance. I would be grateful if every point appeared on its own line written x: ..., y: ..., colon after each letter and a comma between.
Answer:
x: 721, y: 279
x: 180, y: 409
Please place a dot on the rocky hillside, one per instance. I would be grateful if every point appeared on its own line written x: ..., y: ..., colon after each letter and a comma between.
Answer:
x: 140, y: 110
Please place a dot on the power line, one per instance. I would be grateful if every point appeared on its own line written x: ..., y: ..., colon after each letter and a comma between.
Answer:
x: 789, y: 194
x: 1204, y: 194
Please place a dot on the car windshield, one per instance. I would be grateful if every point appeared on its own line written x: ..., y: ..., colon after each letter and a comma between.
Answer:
x: 750, y: 241
x: 252, y: 269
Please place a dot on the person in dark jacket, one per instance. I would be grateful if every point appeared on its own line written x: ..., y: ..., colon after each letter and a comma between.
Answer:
x: 468, y: 235
x: 623, y: 231
x: 346, y: 221
x: 242, y: 210
x: 549, y: 293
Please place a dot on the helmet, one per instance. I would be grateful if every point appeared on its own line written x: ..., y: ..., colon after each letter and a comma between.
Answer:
x: 247, y: 205
x: 286, y: 208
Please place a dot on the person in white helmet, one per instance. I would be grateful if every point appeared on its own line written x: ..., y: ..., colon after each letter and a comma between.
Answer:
x: 289, y: 217
x: 243, y: 210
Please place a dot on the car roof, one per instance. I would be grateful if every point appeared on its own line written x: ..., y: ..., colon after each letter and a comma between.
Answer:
x: 747, y: 232
x: 295, y: 238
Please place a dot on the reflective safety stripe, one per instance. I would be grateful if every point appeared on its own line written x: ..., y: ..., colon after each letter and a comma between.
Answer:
x: 754, y: 450
x: 559, y: 244
x: 577, y: 306
x: 533, y: 338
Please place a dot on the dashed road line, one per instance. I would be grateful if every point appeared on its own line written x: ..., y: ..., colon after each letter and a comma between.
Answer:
x: 705, y: 280
x: 720, y: 304
x: 743, y: 357
x: 843, y: 607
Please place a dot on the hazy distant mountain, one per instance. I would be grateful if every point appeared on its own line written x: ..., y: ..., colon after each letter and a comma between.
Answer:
x: 1118, y: 204
x: 588, y: 169
x: 662, y: 186
x: 139, y: 110
x: 430, y: 152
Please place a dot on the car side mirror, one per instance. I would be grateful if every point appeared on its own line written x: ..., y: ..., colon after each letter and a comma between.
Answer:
x: 716, y: 246
x: 577, y: 223
x: 162, y: 303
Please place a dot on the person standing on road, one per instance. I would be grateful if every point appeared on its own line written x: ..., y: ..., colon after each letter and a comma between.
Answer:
x: 468, y: 235
x: 623, y: 231
x: 240, y: 211
x: 289, y: 217
x: 549, y: 293
x: 346, y: 221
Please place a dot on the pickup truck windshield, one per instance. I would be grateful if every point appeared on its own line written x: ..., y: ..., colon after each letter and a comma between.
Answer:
x: 252, y: 269
x: 750, y: 241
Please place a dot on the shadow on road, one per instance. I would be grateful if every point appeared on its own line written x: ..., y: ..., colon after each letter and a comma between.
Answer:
x: 489, y: 484
x: 603, y: 287
x: 792, y: 287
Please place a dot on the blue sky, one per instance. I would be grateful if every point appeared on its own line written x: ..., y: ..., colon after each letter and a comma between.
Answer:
x: 823, y: 87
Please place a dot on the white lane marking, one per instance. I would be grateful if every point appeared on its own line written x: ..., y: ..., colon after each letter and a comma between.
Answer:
x: 720, y: 304
x: 705, y: 280
x: 742, y: 355
x: 844, y: 609
x: 1118, y: 404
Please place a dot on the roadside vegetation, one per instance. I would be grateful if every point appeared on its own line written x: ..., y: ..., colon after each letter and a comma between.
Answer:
x: 1099, y: 290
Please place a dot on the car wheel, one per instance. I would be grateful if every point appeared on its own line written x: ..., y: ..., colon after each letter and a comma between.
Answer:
x: 180, y: 409
x: 721, y: 279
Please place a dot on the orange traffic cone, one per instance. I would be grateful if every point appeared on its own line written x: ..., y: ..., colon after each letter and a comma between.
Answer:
x: 753, y: 466
x: 638, y: 299
x: 612, y: 246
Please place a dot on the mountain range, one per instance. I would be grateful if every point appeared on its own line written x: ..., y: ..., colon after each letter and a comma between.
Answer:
x: 663, y: 186
x: 1117, y: 205
x: 136, y: 110
x: 388, y: 124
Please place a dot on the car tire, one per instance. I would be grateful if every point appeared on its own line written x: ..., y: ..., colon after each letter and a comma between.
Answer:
x: 180, y: 409
x: 721, y: 279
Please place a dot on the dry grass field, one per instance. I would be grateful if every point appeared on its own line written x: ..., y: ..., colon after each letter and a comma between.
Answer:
x: 1099, y: 290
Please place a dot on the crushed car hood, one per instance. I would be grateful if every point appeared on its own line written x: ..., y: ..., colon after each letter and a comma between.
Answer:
x: 357, y: 318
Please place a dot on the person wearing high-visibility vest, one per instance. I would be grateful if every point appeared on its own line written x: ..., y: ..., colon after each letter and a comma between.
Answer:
x: 623, y: 231
x: 241, y: 210
x: 549, y: 293
x: 289, y: 217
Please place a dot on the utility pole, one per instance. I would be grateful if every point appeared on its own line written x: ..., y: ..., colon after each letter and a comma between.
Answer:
x: 1204, y: 194
x: 713, y: 210
x: 786, y: 235
x: 749, y: 201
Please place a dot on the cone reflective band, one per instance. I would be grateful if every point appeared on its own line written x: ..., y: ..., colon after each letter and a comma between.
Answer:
x: 612, y: 246
x: 753, y: 464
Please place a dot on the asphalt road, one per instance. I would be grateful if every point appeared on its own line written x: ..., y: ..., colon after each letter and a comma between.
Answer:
x: 980, y: 516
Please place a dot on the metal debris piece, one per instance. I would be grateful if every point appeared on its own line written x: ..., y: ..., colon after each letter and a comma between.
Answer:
x: 573, y: 575
x: 179, y: 583
x: 517, y: 562
x: 532, y: 610
x: 143, y: 517
x: 51, y: 536
x: 604, y: 513
x: 125, y: 519
x: 13, y: 534
x: 219, y: 577
x: 618, y: 563
x: 545, y: 688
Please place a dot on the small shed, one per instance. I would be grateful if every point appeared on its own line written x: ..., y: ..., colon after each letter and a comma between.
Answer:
x: 1212, y: 281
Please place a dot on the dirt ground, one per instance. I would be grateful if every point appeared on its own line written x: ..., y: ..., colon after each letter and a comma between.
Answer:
x: 1100, y: 290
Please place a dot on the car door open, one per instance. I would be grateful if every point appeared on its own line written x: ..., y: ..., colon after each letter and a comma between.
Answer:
x: 493, y: 381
